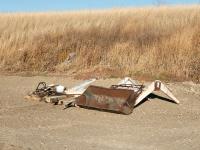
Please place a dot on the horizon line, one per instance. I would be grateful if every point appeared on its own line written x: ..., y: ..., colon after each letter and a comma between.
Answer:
x: 101, y: 9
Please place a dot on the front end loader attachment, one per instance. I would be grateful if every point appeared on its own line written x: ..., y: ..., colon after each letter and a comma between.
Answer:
x: 121, y: 98
x: 110, y: 99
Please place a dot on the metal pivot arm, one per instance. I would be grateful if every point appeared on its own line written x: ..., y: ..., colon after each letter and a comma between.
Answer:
x: 155, y: 86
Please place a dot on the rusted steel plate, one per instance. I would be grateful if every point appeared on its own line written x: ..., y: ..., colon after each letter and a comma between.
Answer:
x: 117, y: 100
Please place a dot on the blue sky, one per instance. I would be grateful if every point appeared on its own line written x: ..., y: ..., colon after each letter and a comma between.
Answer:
x: 61, y: 5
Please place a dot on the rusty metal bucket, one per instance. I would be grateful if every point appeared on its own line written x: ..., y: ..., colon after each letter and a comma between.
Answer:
x: 110, y: 99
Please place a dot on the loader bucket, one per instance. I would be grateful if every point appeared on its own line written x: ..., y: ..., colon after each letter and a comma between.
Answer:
x: 116, y: 100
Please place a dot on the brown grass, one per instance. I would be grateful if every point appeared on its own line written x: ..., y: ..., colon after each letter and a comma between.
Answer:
x: 161, y: 42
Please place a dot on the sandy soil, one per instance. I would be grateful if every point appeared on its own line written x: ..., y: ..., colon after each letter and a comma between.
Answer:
x: 156, y: 124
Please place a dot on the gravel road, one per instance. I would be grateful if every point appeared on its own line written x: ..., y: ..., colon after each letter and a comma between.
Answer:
x: 154, y: 125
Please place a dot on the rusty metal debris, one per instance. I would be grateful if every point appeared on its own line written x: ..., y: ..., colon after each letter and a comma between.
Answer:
x: 112, y: 99
x: 50, y: 90
x: 120, y: 98
x: 57, y: 94
x: 154, y: 86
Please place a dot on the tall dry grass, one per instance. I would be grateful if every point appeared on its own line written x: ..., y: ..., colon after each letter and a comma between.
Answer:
x: 162, y: 42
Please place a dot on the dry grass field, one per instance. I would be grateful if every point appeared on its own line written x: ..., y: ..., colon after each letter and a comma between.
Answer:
x: 159, y: 42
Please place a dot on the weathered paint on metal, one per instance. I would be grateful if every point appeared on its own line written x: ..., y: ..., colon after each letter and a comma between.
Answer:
x: 157, y: 85
x: 117, y: 100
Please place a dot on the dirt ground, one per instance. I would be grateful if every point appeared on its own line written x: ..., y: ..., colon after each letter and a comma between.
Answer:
x: 154, y: 125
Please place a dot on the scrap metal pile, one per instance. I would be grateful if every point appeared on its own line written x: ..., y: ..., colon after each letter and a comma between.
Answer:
x: 120, y: 98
